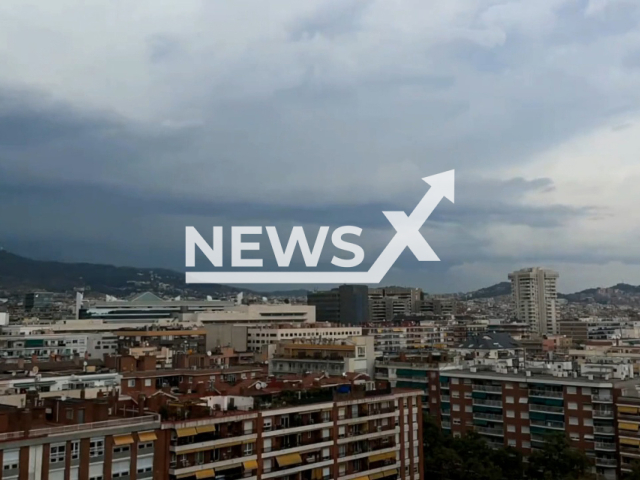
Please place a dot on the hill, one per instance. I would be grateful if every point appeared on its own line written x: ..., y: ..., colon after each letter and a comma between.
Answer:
x: 21, y: 273
x: 497, y: 290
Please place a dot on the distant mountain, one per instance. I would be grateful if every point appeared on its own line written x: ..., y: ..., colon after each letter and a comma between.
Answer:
x: 20, y: 273
x: 619, y: 294
x: 497, y: 290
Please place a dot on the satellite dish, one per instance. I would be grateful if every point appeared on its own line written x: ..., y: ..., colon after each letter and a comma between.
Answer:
x: 258, y: 386
x: 209, y: 353
x: 85, y: 363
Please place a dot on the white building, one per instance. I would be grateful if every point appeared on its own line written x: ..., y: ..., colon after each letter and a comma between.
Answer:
x: 255, y: 314
x: 258, y: 336
x: 57, y: 345
x: 534, y: 292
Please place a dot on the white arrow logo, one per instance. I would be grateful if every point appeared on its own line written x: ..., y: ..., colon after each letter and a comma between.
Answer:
x: 407, y: 235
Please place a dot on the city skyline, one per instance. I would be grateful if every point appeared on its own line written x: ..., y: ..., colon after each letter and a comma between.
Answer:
x: 127, y: 124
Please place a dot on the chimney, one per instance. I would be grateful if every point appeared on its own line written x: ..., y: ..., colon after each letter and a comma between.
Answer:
x: 82, y: 393
x: 21, y: 363
x: 141, y: 404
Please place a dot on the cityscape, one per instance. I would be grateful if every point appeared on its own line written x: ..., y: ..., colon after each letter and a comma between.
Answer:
x: 319, y: 240
x: 340, y: 383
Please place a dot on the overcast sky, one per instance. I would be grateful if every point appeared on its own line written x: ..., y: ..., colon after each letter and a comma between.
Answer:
x: 122, y: 122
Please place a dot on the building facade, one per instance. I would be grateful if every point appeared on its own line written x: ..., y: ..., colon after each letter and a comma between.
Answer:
x: 534, y: 293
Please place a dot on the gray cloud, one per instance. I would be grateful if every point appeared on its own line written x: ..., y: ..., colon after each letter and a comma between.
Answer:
x: 329, y: 116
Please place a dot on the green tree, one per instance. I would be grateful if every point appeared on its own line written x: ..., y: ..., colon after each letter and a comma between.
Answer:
x: 558, y: 460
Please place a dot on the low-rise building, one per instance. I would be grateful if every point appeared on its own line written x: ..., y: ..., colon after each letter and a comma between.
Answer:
x: 56, y: 346
x: 336, y: 357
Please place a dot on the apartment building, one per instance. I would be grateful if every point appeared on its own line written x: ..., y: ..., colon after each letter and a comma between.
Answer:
x: 357, y: 434
x: 56, y: 346
x: 392, y: 339
x: 628, y: 428
x: 76, y: 439
x: 387, y: 303
x: 436, y: 306
x: 534, y: 293
x: 347, y: 304
x: 174, y: 339
x: 254, y: 314
x: 355, y: 354
x: 591, y: 328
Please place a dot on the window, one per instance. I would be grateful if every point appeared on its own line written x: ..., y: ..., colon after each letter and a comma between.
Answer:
x: 572, y: 390
x: 587, y: 407
x: 508, y: 386
x: 11, y: 459
x: 467, y: 395
x: 524, y: 415
x: 74, y: 473
x: 145, y: 446
x: 526, y: 444
x: 586, y: 391
x: 341, y: 431
x: 96, y: 447
x: 248, y: 449
x: 468, y: 408
x: 120, y: 468
x: 56, y: 453
x: 456, y: 421
x: 326, y: 453
x: 267, y: 425
x: 511, y: 414
x: 75, y: 450
x: 511, y: 428
x: 523, y: 400
x: 326, y: 433
x: 456, y: 407
x: 433, y: 388
x: 122, y: 449
x: 525, y: 429
x: 574, y: 436
x: 455, y: 381
x: 248, y: 427
x: 455, y: 394
x: 69, y: 414
x: 588, y: 422
x: 147, y: 382
x: 145, y: 465
x: 509, y: 399
x: 342, y: 451
x: 573, y: 406
x: 573, y: 421
x: 511, y: 442
x: 132, y: 382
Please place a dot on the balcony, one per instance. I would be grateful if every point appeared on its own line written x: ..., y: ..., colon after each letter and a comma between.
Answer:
x: 599, y: 413
x: 606, y: 462
x: 545, y: 393
x: 446, y: 424
x: 487, y: 403
x: 533, y: 407
x: 487, y: 416
x: 630, y: 451
x: 547, y: 424
x: 605, y: 446
x: 487, y: 388
x: 499, y: 432
x: 602, y: 398
x: 445, y: 398
x: 604, y: 430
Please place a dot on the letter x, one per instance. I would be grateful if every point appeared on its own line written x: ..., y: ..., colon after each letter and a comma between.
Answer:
x: 408, y: 232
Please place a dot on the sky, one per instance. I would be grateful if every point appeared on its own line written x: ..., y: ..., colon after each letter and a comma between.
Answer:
x: 122, y: 122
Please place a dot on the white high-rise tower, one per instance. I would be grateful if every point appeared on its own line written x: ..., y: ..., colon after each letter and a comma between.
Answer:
x: 534, y: 292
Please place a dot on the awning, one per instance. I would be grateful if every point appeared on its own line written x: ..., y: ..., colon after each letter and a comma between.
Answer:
x: 388, y: 473
x: 291, y: 459
x: 376, y: 476
x: 250, y: 465
x: 206, y: 428
x: 630, y: 441
x: 186, y: 432
x: 230, y: 444
x: 628, y: 409
x: 123, y: 440
x: 628, y: 426
x: 209, y: 473
x: 147, y: 436
x: 382, y: 456
x: 184, y: 475
x: 362, y: 478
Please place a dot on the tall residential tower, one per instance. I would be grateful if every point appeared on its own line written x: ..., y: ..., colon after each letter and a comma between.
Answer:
x: 534, y: 294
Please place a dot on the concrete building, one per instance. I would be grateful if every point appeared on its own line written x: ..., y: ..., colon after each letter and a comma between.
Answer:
x: 387, y: 303
x: 175, y: 339
x: 38, y: 300
x: 412, y: 338
x: 57, y: 345
x: 335, y: 357
x: 534, y: 293
x: 517, y: 407
x: 73, y: 438
x: 254, y: 314
x: 437, y: 306
x: 347, y: 304
x: 591, y: 328
x: 328, y: 435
